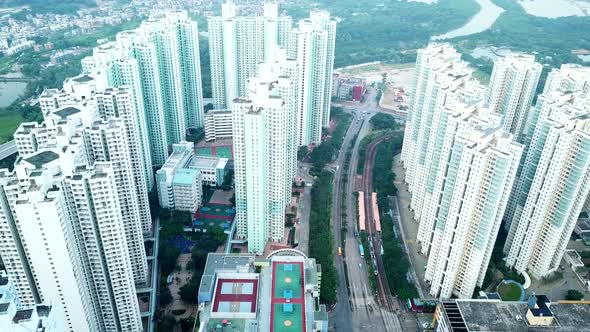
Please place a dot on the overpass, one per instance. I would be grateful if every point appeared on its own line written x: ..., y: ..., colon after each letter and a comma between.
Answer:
x: 7, y: 149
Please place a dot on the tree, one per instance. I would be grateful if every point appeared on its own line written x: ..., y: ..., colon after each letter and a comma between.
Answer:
x: 382, y: 121
x: 165, y: 296
x: 302, y: 152
x: 186, y: 324
x: 228, y: 180
x: 199, y: 258
x: 321, y: 155
x: 188, y: 293
x: 217, y: 234
x: 195, y: 134
x: 167, y: 323
x: 209, y: 107
x: 574, y: 295
x: 167, y: 256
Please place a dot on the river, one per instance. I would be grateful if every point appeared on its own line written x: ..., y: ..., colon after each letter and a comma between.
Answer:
x: 10, y: 91
x: 555, y: 8
x: 481, y: 21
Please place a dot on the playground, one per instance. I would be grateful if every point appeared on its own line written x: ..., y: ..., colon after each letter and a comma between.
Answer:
x: 211, y: 215
x: 185, y: 245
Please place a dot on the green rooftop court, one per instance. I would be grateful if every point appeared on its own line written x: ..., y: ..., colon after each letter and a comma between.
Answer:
x: 218, y: 151
x: 287, y: 281
x: 287, y: 317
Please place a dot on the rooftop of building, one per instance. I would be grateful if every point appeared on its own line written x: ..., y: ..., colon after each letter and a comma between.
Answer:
x: 185, y: 176
x: 492, y: 315
x: 495, y: 315
x: 207, y: 162
x: 583, y: 224
x: 22, y: 315
x: 235, y: 295
x: 219, y: 261
x: 67, y: 111
x: 82, y: 79
x: 43, y: 310
x: 42, y: 158
x: 571, y: 316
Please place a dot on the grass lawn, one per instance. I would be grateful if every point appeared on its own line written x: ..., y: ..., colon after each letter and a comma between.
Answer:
x: 9, y: 121
x: 509, y: 291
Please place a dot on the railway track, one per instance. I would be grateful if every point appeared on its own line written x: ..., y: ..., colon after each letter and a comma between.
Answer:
x: 387, y: 300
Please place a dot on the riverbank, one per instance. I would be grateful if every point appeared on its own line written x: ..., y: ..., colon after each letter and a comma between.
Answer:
x: 483, y: 20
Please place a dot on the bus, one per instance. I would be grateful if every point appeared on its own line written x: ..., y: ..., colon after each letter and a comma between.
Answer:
x: 362, y: 250
x: 339, y: 251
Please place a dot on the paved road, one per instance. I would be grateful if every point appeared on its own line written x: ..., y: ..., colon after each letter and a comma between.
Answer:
x: 7, y: 149
x: 341, y: 317
x: 304, y: 207
x: 358, y: 304
x: 409, y: 227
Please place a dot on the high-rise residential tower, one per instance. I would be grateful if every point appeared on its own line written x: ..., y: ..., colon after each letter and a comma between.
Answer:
x: 512, y: 88
x: 313, y: 42
x: 441, y: 77
x: 554, y: 182
x: 160, y: 62
x: 237, y: 43
x: 460, y: 168
x: 107, y: 141
x: 470, y: 190
x: 264, y: 152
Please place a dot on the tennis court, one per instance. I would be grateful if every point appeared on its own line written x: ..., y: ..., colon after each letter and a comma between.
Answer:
x: 211, y: 215
x: 288, y: 317
x: 287, y: 280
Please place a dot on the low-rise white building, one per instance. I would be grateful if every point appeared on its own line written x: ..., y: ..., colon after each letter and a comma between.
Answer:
x: 218, y: 124
x: 186, y: 189
x: 212, y: 169
x: 181, y: 155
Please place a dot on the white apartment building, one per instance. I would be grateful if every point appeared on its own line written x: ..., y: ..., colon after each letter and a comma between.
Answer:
x: 460, y: 169
x: 160, y: 62
x: 15, y: 318
x: 238, y: 43
x: 83, y: 101
x: 42, y: 218
x: 217, y: 125
x: 512, y: 88
x: 570, y: 77
x: 441, y: 78
x: 313, y: 44
x: 68, y: 225
x: 104, y: 252
x: 471, y: 190
x: 107, y: 141
x: 554, y: 182
x: 263, y: 155
x: 11, y: 248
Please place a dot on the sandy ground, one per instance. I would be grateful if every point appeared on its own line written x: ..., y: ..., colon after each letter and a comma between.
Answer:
x: 181, y: 278
x: 221, y: 197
